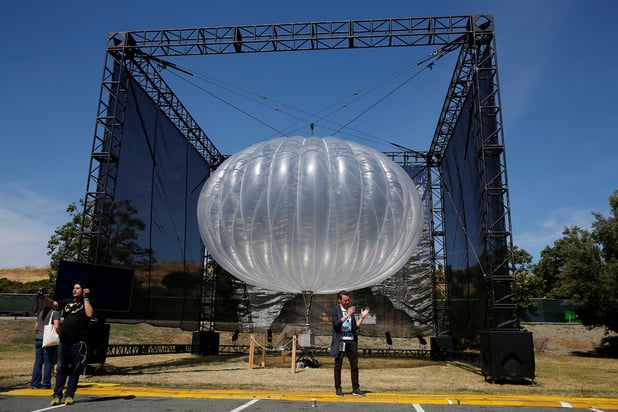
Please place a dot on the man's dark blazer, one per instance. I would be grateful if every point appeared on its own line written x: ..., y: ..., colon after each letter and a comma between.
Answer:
x: 335, y: 316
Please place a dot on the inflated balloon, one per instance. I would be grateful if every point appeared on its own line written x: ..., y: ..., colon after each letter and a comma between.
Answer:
x: 310, y: 214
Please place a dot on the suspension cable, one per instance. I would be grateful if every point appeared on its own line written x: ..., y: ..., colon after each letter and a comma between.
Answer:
x: 321, y: 115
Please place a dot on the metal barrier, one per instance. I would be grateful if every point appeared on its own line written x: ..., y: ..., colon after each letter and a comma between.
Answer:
x: 159, y: 349
x: 147, y: 349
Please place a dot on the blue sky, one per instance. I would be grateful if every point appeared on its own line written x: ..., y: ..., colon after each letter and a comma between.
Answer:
x: 557, y: 66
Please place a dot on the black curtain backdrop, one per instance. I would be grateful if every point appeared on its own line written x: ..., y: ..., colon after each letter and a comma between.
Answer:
x: 160, y: 174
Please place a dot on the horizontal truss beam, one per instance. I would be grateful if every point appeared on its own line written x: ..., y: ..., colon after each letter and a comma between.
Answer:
x: 328, y: 35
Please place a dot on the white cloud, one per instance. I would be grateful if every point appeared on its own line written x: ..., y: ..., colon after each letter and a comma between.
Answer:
x: 560, y: 218
x: 27, y: 221
x: 551, y: 228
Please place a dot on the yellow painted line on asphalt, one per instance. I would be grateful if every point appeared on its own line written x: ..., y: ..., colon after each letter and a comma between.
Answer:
x: 101, y: 389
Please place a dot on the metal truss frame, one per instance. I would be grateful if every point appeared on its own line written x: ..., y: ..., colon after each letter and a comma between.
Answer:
x: 500, y: 275
x: 139, y: 54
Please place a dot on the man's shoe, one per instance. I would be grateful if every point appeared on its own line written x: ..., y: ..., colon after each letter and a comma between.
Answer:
x: 338, y: 392
x: 358, y: 392
x: 69, y: 400
x: 55, y: 401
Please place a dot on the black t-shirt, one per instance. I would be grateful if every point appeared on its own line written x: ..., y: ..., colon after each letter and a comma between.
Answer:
x: 76, y: 323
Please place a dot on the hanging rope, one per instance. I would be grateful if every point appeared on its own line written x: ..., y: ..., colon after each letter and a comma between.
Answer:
x: 322, y: 115
x: 232, y: 105
x: 387, y: 95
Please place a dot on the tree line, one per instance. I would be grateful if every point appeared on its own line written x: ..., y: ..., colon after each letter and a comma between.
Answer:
x: 581, y: 267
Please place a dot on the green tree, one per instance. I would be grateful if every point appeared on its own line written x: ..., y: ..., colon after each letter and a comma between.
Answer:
x: 64, y: 242
x: 528, y: 284
x: 606, y: 230
x: 581, y: 276
x: 522, y: 261
x: 605, y: 233
x: 123, y: 248
x: 548, y: 270
x: 11, y: 286
x: 582, y: 267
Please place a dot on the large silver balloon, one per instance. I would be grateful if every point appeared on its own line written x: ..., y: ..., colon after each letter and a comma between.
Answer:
x: 310, y: 214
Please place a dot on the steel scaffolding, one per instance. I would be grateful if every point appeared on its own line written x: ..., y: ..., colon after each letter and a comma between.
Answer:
x: 139, y: 55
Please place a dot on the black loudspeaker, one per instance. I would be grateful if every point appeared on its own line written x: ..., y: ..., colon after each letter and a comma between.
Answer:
x: 507, y: 355
x: 441, y: 347
x: 98, y: 341
x: 205, y: 343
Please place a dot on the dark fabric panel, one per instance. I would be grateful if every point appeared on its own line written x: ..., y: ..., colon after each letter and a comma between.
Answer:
x: 475, y: 224
x: 160, y: 175
x: 463, y: 222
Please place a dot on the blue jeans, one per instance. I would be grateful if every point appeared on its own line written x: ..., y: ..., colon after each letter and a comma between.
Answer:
x: 43, y: 366
x: 71, y: 363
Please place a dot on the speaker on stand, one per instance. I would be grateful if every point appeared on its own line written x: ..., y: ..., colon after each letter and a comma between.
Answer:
x: 97, y: 344
x: 507, y: 355
x: 441, y: 347
x: 205, y: 343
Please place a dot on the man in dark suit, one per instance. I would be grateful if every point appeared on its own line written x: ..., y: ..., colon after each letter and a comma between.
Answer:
x: 345, y: 340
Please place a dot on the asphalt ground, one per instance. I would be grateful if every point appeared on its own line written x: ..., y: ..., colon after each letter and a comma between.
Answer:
x: 94, y: 397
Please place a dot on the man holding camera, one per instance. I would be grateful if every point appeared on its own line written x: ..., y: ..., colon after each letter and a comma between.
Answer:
x: 72, y: 351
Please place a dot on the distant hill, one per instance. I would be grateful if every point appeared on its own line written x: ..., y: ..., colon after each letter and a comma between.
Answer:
x: 23, y: 275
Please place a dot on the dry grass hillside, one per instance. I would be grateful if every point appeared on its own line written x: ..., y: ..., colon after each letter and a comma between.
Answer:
x: 31, y: 274
x: 25, y: 274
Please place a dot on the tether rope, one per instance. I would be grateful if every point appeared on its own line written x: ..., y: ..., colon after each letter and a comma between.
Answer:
x: 428, y: 62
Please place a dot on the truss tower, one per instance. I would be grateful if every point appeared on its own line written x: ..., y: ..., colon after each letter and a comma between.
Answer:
x: 139, y: 54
